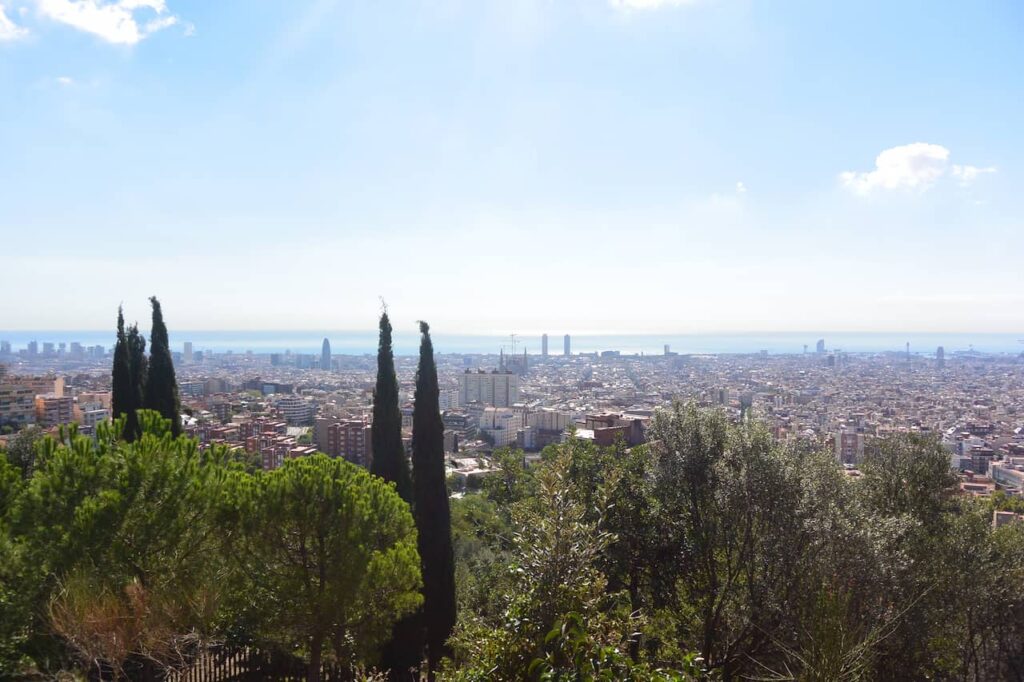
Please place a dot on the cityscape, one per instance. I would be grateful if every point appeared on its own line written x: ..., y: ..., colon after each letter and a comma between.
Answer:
x: 511, y: 341
x: 277, y: 406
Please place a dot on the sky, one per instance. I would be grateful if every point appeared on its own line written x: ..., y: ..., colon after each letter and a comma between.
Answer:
x: 594, y: 166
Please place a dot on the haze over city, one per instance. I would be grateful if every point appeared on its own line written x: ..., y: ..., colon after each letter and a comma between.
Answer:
x: 620, y: 166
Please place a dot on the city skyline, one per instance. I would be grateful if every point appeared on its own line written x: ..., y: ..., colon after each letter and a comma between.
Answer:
x: 651, y: 167
x: 363, y: 342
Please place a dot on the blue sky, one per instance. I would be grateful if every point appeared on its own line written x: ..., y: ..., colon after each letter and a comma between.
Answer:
x: 527, y: 165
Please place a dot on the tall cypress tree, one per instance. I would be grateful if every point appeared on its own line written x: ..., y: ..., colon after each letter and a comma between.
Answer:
x: 433, y: 518
x: 402, y: 655
x: 161, y: 393
x: 137, y: 365
x: 389, y: 460
x: 121, y: 402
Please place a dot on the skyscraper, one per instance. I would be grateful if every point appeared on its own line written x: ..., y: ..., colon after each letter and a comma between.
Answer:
x: 544, y: 345
x: 940, y: 357
x: 568, y: 345
x: 325, y: 355
x: 187, y: 355
x: 820, y: 347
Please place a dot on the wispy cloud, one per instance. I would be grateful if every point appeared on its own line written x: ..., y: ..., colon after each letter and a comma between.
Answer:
x: 8, y: 29
x: 65, y: 80
x: 915, y: 166
x: 968, y: 174
x: 114, y: 21
x: 649, y: 4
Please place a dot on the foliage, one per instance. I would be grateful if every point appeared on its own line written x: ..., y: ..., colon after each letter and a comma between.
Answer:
x: 512, y: 482
x: 104, y: 526
x: 138, y: 366
x: 482, y: 546
x: 21, y: 450
x: 553, y: 577
x: 324, y: 553
x: 390, y: 462
x: 908, y: 474
x: 715, y: 539
x: 161, y: 389
x: 121, y: 382
x: 389, y: 458
x: 127, y: 557
x: 128, y: 377
x: 713, y: 552
x: 433, y: 518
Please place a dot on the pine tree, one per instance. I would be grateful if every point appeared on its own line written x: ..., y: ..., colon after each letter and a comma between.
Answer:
x: 161, y: 390
x: 433, y: 518
x: 389, y: 460
x: 402, y: 655
x: 137, y: 366
x: 121, y: 399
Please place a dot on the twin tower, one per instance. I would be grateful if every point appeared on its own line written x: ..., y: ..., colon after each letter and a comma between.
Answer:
x: 544, y: 345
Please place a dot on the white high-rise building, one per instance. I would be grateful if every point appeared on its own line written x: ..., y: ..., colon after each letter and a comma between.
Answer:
x: 568, y: 345
x: 497, y: 388
x: 544, y: 345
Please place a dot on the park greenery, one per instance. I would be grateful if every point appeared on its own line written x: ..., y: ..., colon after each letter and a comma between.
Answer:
x: 713, y: 552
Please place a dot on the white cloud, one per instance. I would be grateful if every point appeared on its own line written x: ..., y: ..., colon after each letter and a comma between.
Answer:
x: 968, y: 174
x: 910, y: 166
x: 741, y: 188
x: 65, y: 80
x: 8, y: 29
x: 648, y: 4
x: 113, y: 21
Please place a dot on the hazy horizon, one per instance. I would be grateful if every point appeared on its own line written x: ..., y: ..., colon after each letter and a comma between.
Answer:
x: 406, y: 341
x: 530, y: 332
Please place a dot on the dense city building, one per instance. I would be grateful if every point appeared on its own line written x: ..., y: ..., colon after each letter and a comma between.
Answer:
x: 280, y: 405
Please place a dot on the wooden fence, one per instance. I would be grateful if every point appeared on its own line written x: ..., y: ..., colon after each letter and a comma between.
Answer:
x: 224, y: 664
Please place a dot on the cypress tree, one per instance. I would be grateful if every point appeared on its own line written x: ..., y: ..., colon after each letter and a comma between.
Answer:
x: 161, y: 390
x: 433, y: 518
x: 402, y: 655
x: 121, y: 402
x: 137, y: 365
x: 389, y: 460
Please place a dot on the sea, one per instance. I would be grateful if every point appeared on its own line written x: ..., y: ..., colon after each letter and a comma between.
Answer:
x: 365, y: 342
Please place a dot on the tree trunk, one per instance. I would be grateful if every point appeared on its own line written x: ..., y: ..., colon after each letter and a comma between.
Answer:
x: 634, y: 605
x: 315, y: 657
